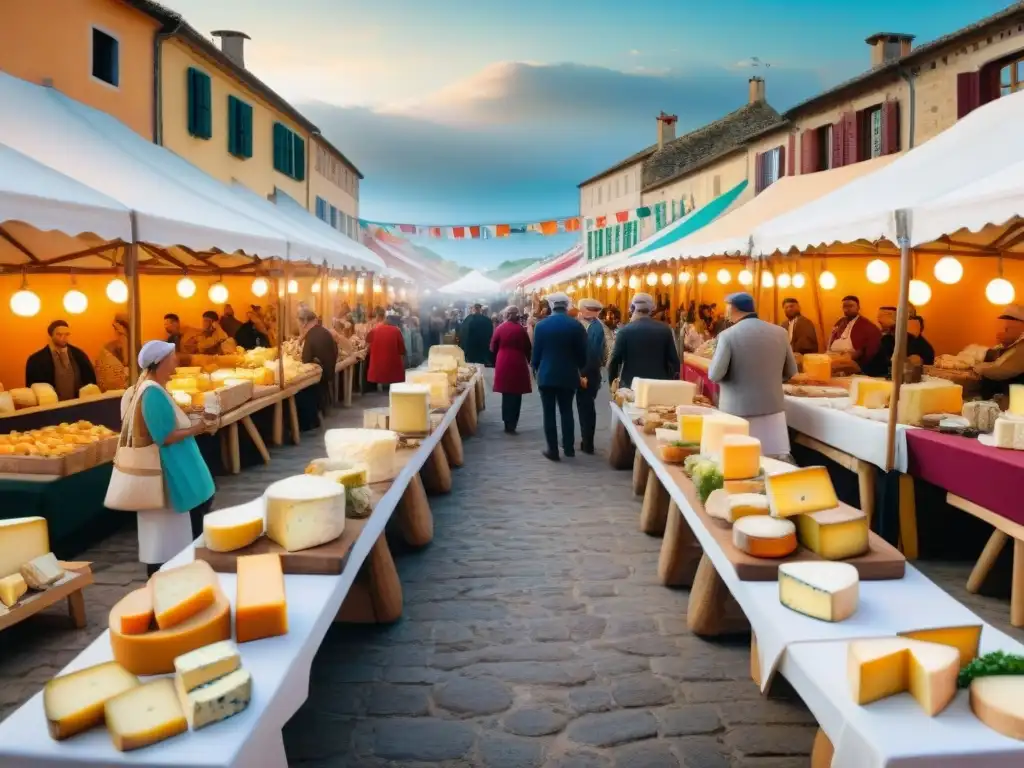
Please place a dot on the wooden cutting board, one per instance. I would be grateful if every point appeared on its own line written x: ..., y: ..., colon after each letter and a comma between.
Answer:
x: 882, y: 561
x: 327, y: 559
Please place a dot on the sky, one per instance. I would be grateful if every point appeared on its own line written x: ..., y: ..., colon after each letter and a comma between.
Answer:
x: 479, y: 111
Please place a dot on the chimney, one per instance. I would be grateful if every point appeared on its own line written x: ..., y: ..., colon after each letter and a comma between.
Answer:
x: 887, y: 47
x: 666, y: 129
x: 232, y: 44
x: 756, y: 89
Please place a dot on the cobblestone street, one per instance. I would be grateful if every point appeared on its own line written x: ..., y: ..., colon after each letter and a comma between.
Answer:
x: 534, y: 633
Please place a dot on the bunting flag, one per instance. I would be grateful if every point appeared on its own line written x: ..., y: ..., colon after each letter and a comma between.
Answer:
x: 479, y: 231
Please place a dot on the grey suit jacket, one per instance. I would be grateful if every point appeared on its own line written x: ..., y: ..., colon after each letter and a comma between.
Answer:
x: 752, y: 359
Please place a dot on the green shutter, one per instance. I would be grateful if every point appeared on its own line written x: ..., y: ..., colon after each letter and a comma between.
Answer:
x: 239, y: 128
x: 299, y: 160
x: 200, y: 122
x: 282, y: 150
x: 618, y: 235
x: 590, y: 245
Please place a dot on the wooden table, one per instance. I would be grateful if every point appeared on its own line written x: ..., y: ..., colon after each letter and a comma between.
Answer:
x: 78, y: 575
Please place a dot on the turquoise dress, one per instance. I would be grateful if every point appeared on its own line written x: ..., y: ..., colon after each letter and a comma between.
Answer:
x: 187, y: 478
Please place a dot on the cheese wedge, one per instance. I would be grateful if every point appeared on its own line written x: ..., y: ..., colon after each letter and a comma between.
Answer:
x: 965, y: 639
x: 870, y: 393
x: 691, y: 427
x: 206, y: 664
x: 817, y: 367
x: 753, y: 485
x: 136, y: 615
x: 352, y: 477
x: 884, y: 667
x: 305, y: 511
x: 734, y: 506
x: 932, y: 396
x: 718, y: 426
x: 144, y: 715
x: 42, y: 571
x: 741, y: 457
x: 804, y: 490
x: 998, y: 701
x: 153, y: 653
x: 216, y: 700
x: 233, y: 528
x: 764, y: 536
x: 1008, y: 433
x: 650, y: 392
x: 74, y: 702
x: 440, y: 389
x: 260, y: 606
x: 181, y: 593
x: 22, y: 539
x: 374, y: 447
x: 834, y: 534
x: 826, y: 591
x: 12, y: 588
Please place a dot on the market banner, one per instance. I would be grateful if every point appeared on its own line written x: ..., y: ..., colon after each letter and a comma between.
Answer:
x: 479, y: 231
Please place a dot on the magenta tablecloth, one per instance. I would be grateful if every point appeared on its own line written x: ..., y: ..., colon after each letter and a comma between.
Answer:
x: 990, y: 477
x: 699, y: 377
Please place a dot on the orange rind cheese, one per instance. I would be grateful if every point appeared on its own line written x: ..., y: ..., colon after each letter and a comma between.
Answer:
x: 182, y: 592
x: 137, y: 612
x: 260, y: 606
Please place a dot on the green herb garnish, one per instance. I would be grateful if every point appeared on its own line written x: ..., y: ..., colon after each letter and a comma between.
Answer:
x: 683, y: 444
x: 991, y: 664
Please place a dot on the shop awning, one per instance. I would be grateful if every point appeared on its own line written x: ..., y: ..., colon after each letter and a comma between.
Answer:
x: 389, y: 249
x: 568, y: 270
x: 348, y: 252
x: 554, y: 266
x: 981, y: 145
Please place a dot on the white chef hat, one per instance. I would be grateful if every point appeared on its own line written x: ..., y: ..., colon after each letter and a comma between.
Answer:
x: 153, y: 352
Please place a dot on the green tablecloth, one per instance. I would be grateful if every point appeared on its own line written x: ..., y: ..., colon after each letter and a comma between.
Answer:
x: 73, y: 508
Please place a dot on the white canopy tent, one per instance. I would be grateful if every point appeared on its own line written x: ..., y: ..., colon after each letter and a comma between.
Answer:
x: 979, y: 146
x: 348, y: 251
x: 473, y: 284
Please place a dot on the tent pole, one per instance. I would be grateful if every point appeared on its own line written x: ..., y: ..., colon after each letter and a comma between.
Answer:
x: 131, y: 273
x: 902, y: 312
x: 817, y: 303
x: 775, y: 295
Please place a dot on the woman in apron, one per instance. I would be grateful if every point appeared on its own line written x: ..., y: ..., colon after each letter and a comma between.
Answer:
x: 188, y: 484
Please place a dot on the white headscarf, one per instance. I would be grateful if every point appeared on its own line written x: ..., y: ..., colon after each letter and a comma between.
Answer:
x: 153, y: 352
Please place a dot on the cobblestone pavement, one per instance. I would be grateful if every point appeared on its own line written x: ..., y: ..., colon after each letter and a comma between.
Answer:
x: 535, y: 632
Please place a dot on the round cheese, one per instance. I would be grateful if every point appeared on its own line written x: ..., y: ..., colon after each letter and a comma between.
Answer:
x: 305, y: 511
x: 374, y: 447
x: 764, y: 536
x: 233, y: 528
x: 998, y: 701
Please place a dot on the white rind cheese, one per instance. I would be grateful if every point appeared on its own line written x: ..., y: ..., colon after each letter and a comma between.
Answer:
x: 715, y: 427
x: 305, y: 511
x: 825, y: 591
x: 734, y: 506
x: 145, y: 715
x: 21, y: 540
x: 448, y: 350
x: 216, y: 700
x: 440, y: 389
x: 203, y: 665
x: 374, y: 447
x: 233, y: 528
x: 42, y: 571
x: 651, y: 392
x: 409, y: 408
x: 1008, y: 432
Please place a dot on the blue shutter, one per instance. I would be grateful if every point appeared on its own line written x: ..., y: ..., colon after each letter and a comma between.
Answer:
x: 299, y: 159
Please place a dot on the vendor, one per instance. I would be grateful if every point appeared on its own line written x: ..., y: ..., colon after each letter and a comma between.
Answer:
x: 229, y: 322
x: 64, y: 367
x: 1004, y: 363
x: 803, y: 339
x: 853, y: 335
x: 209, y: 339
x: 172, y: 327
x: 919, y: 351
x: 253, y: 332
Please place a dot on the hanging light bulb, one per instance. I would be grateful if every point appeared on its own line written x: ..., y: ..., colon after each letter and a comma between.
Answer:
x: 599, y: 281
x: 723, y: 276
x: 877, y: 272
x: 117, y: 291
x: 360, y: 285
x: 376, y: 287
x: 581, y: 282
x: 827, y: 280
x: 186, y: 288
x: 315, y: 288
x: 702, y: 277
x: 332, y: 285
x: 619, y: 284
x: 571, y: 289
x: 683, y: 277
x: 744, y: 277
x: 652, y: 279
x: 666, y: 279
x: 345, y: 285
x: 293, y: 286
x: 218, y: 293
x: 920, y: 293
x: 784, y: 280
x: 25, y: 303
x: 767, y: 280
x: 75, y: 302
x: 260, y: 287
x: 1000, y: 292
x: 799, y: 281
x: 634, y: 282
x: 948, y: 270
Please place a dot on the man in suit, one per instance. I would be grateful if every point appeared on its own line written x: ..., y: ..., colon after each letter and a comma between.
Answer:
x: 63, y: 366
x: 803, y: 339
x: 644, y: 348
x: 751, y: 361
x: 318, y: 346
x: 590, y: 310
x: 559, y: 354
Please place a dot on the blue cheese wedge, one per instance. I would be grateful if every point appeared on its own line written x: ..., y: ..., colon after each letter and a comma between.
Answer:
x: 216, y: 700
x: 206, y: 664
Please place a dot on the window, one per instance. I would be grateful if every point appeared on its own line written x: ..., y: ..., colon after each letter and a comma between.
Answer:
x: 321, y: 208
x: 659, y: 215
x: 289, y: 152
x: 769, y: 168
x: 105, y: 57
x: 1011, y: 77
x: 590, y: 246
x: 239, y: 128
x: 871, y: 133
x: 334, y: 217
x: 824, y: 161
x: 618, y: 236
x: 200, y: 121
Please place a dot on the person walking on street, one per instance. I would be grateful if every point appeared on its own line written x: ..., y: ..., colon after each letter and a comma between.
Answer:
x: 475, y: 336
x: 644, y: 348
x: 559, y: 354
x: 510, y: 347
x: 387, y: 353
x: 752, y: 360
x: 586, y: 396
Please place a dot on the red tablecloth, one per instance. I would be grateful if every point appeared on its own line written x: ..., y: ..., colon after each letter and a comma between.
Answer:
x: 987, y: 476
x: 699, y: 376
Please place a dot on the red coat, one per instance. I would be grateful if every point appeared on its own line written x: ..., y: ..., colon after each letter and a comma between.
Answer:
x: 386, y: 351
x: 510, y: 346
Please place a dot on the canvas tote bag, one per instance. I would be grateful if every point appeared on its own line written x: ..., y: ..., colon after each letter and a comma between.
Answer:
x: 137, y: 480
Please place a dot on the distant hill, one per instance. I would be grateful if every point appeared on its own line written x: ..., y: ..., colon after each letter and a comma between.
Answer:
x: 509, y: 268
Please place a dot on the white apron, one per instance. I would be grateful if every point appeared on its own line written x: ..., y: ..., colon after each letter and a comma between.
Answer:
x: 843, y: 344
x: 771, y: 430
x: 163, y: 533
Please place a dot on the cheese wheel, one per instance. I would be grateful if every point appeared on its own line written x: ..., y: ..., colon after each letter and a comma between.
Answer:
x: 821, y: 590
x: 998, y: 701
x: 884, y: 667
x: 233, y: 528
x: 764, y: 536
x: 153, y: 653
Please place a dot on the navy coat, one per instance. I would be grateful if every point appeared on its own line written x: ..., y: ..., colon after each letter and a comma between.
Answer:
x: 559, y: 351
x: 595, y: 354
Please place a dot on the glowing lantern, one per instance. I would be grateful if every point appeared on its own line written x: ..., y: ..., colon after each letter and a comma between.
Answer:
x: 75, y: 302
x: 1000, y: 292
x: 599, y: 281
x: 218, y: 293
x: 666, y: 279
x: 634, y: 282
x: 799, y: 281
x: 827, y: 280
x: 652, y: 279
x: 920, y: 293
x: 723, y: 276
x: 948, y: 270
x: 702, y: 277
x: 745, y: 277
x: 767, y: 280
x: 260, y: 287
x: 315, y: 288
x: 117, y: 291
x: 293, y: 286
x: 877, y: 272
x: 784, y: 280
x: 332, y: 285
x: 683, y: 278
x: 25, y: 303
x: 186, y: 288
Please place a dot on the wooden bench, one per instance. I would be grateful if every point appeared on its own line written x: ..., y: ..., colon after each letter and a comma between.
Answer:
x: 78, y: 577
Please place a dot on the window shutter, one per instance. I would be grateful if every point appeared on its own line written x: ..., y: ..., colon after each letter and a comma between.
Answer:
x: 233, y: 127
x: 758, y: 173
x: 618, y: 235
x: 890, y: 127
x: 590, y: 245
x: 791, y: 156
x: 782, y: 162
x: 246, y: 129
x: 279, y: 146
x: 190, y: 83
x: 205, y: 106
x: 809, y: 151
x: 851, y: 137
x: 837, y: 144
x: 299, y: 159
x: 968, y: 93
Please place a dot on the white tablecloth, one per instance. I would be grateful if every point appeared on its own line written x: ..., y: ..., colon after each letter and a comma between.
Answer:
x: 279, y: 666
x: 865, y: 439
